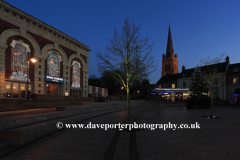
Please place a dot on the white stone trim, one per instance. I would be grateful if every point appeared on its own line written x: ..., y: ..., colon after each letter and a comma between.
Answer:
x: 39, y: 76
x: 32, y: 23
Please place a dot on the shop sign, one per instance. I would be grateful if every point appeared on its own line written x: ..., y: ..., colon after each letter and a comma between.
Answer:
x: 54, y: 79
x: 7, y: 86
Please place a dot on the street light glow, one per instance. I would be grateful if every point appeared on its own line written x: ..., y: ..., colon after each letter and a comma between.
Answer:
x: 33, y: 60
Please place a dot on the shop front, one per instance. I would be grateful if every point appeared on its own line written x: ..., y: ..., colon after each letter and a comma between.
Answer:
x: 237, y: 96
x: 17, y: 89
x: 53, y: 85
x: 172, y: 94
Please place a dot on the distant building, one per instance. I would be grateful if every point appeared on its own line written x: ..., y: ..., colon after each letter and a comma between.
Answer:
x: 233, y: 86
x: 183, y: 80
x: 172, y: 83
x: 96, y: 90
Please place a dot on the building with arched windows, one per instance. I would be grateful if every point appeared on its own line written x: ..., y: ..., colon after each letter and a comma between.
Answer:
x: 62, y: 62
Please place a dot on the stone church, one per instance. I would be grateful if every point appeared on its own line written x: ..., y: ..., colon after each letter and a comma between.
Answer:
x: 170, y: 60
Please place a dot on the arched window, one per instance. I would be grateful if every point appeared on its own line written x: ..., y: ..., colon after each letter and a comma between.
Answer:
x: 53, y: 64
x: 19, y: 60
x: 76, y: 74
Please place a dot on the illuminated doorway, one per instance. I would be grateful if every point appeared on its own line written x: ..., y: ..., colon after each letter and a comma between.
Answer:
x: 52, y: 89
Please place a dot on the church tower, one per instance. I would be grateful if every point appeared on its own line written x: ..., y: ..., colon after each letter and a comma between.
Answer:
x: 169, y: 61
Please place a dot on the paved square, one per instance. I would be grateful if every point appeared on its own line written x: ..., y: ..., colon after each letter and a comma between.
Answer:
x: 216, y: 139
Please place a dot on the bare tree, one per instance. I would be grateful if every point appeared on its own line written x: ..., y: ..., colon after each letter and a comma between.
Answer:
x: 128, y: 57
x: 213, y: 78
x: 92, y: 76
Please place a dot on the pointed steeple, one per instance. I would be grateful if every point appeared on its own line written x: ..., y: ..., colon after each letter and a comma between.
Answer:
x: 170, y: 51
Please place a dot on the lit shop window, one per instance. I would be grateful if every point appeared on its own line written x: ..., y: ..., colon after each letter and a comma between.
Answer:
x: 8, y: 90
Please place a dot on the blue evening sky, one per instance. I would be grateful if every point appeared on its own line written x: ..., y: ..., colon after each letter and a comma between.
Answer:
x: 200, y: 28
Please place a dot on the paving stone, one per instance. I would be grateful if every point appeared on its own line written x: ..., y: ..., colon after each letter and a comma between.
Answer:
x: 217, y: 138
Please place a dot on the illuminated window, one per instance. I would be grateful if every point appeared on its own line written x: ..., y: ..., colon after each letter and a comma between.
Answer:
x: 96, y: 91
x: 76, y: 74
x: 235, y: 80
x: 19, y: 60
x: 159, y: 86
x: 102, y: 92
x: 173, y: 85
x: 53, y: 64
x: 8, y: 87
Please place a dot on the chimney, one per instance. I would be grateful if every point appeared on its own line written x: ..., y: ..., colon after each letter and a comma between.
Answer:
x: 227, y: 59
x: 183, y: 68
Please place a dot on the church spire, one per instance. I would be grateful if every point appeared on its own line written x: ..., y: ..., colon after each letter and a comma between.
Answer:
x: 170, y: 51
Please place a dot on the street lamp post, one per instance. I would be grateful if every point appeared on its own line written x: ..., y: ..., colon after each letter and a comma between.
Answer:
x: 33, y: 60
x: 122, y: 92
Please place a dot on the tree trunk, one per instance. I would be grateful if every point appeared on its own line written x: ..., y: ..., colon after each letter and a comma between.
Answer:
x: 211, y: 101
x: 128, y: 105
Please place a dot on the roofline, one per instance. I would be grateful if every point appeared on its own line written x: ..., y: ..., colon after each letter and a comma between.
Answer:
x: 171, y: 89
x: 40, y: 23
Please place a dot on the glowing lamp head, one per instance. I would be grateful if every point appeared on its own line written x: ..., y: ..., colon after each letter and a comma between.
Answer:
x: 33, y: 60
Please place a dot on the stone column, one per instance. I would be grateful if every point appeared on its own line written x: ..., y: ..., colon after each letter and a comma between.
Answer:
x: 66, y: 76
x: 85, y: 84
x: 39, y: 75
x: 3, y: 48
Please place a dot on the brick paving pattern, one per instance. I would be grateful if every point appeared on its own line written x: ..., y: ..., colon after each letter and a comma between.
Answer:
x: 217, y: 139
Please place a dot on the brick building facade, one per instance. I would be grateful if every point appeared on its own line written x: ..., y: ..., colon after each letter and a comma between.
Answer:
x: 62, y: 62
